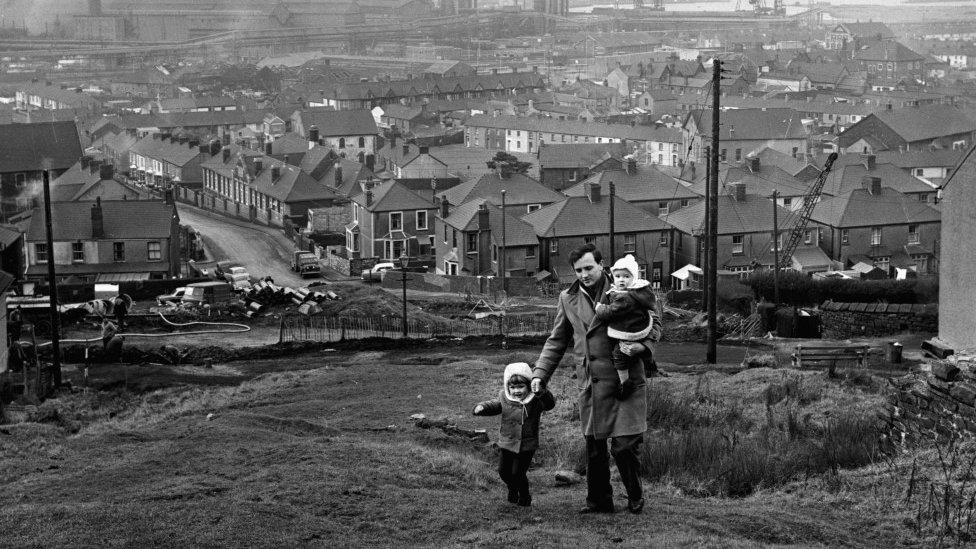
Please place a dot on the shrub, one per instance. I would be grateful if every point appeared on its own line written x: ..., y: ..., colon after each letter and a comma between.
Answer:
x: 799, y: 289
x: 733, y: 296
x: 685, y: 299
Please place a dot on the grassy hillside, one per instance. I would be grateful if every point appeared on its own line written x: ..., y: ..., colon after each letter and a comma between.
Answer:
x: 326, y: 454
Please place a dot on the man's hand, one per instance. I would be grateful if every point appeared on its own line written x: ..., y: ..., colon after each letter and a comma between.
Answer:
x: 601, y: 308
x: 478, y: 409
x: 631, y: 348
x: 537, y: 385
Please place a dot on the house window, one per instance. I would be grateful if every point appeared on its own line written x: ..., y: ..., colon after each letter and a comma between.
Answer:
x: 808, y: 237
x: 40, y: 253
x: 533, y: 207
x: 630, y: 242
x: 663, y: 242
x: 787, y: 201
x: 913, y: 234
x: 737, y: 243
x: 662, y: 208
x: 723, y: 155
x: 883, y: 263
x: 450, y: 268
x: 553, y: 246
x: 154, y: 250
x: 572, y: 175
x: 494, y: 252
x: 875, y: 236
x: 738, y: 155
x: 342, y: 142
x: 77, y: 252
x: 472, y: 242
x: 777, y: 243
x: 21, y: 179
x: 845, y: 236
x: 118, y: 251
x: 445, y: 233
x: 530, y: 252
x: 362, y: 142
x: 421, y: 220
x: 795, y: 150
x: 921, y: 263
x: 660, y: 146
x: 396, y: 221
x: 684, y: 202
x: 919, y: 172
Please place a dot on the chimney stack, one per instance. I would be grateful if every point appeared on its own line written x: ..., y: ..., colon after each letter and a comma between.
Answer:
x: 275, y: 173
x: 594, y: 193
x: 226, y: 155
x: 97, y: 223
x: 106, y: 171
x: 406, y: 149
x: 84, y: 162
x: 168, y: 196
x: 338, y: 176
x: 214, y: 147
x: 258, y: 166
x: 313, y: 134
x: 870, y: 161
x: 94, y: 165
x: 445, y: 208
x: 631, y: 164
x: 871, y: 184
x: 737, y: 191
x: 484, y: 221
x: 369, y: 198
x: 267, y: 148
x: 225, y: 139
x: 754, y: 164
x: 424, y: 150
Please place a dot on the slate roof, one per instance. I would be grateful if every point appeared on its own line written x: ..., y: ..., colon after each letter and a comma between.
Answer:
x: 576, y: 127
x: 799, y: 169
x: 29, y: 147
x: 646, y: 185
x: 846, y: 178
x: 401, y: 112
x: 166, y: 150
x: 193, y: 119
x: 754, y: 214
x: 333, y: 123
x: 577, y: 155
x: 868, y: 29
x: 292, y: 185
x: 517, y: 231
x: 393, y: 196
x: 519, y: 189
x: 289, y: 143
x: 752, y: 124
x: 945, y: 158
x: 81, y: 184
x: 926, y: 122
x: 859, y: 208
x: 426, y: 86
x: 577, y: 215
x: 121, y: 219
x: 886, y: 50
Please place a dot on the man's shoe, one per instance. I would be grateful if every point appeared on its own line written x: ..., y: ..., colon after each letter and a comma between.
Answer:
x: 525, y: 501
x: 635, y: 507
x: 592, y: 509
x: 513, y: 496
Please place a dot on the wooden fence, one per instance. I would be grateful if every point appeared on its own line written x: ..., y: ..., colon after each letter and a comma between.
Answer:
x: 338, y: 328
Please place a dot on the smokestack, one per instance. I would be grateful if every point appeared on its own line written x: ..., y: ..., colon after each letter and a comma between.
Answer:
x: 313, y: 134
x: 97, y: 223
x: 106, y: 171
x: 594, y: 194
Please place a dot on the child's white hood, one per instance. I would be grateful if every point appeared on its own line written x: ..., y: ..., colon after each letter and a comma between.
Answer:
x: 517, y: 368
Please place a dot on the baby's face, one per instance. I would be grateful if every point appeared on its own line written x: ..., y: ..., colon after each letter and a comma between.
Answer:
x: 622, y: 279
x: 518, y: 389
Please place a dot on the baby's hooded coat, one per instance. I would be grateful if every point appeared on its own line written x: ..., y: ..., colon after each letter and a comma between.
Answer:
x: 519, y: 430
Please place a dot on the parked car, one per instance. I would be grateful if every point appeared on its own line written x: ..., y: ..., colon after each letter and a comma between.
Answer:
x: 306, y: 264
x: 375, y: 273
x: 224, y: 266
x: 239, y: 281
x: 171, y: 299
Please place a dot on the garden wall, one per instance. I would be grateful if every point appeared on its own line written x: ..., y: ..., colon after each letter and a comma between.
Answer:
x: 939, y: 402
x: 846, y: 320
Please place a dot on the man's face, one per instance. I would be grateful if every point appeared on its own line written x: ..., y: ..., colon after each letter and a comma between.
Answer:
x: 588, y: 271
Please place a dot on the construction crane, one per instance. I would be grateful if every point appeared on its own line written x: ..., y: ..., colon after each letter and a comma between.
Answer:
x: 762, y: 8
x: 809, y: 202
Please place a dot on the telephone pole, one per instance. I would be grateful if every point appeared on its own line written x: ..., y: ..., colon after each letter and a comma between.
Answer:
x: 712, y: 275
x: 613, y: 248
x: 52, y: 285
x: 775, y: 249
x: 708, y: 222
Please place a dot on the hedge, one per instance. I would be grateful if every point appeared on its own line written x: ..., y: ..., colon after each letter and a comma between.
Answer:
x: 799, y: 289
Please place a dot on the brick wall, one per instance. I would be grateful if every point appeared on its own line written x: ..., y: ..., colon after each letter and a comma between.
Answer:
x: 845, y: 320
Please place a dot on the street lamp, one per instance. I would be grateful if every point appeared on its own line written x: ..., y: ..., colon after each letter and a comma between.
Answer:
x: 403, y: 275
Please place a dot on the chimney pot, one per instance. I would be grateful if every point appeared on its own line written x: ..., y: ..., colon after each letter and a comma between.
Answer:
x: 313, y: 134
x: 484, y: 220
x: 106, y: 171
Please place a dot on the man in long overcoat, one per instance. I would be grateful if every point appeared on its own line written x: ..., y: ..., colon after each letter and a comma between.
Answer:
x: 603, y: 416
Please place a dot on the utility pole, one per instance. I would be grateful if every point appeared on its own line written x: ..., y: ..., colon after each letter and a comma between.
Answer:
x: 501, y: 258
x: 52, y: 285
x: 613, y: 247
x: 775, y: 249
x: 708, y: 222
x: 712, y: 275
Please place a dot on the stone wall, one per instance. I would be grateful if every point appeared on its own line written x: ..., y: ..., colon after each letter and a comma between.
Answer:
x: 938, y: 402
x: 846, y: 320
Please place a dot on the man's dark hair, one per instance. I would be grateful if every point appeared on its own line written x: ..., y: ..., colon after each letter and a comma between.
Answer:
x: 578, y: 253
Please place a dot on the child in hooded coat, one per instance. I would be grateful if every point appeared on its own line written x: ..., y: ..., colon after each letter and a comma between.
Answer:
x: 518, y: 435
x: 628, y: 310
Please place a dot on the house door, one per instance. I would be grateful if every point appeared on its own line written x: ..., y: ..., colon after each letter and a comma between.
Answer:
x: 398, y: 249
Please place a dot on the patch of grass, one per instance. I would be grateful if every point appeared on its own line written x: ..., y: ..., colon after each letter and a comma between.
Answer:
x: 795, y: 387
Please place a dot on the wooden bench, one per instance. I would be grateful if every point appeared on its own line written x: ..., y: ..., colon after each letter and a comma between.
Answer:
x: 818, y: 355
